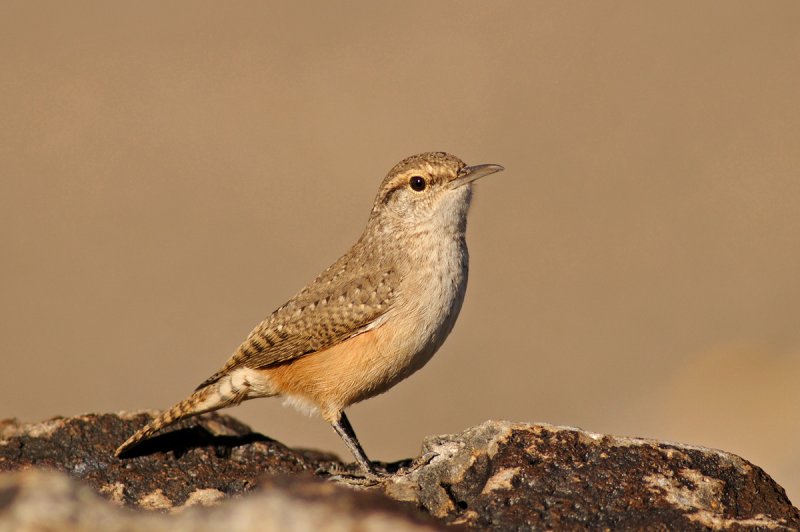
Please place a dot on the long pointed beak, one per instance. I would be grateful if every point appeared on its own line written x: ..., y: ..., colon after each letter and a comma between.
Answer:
x: 468, y: 174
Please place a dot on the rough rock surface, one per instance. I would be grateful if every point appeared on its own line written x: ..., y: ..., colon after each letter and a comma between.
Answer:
x: 215, y: 453
x: 502, y: 475
x: 49, y: 501
x: 498, y: 475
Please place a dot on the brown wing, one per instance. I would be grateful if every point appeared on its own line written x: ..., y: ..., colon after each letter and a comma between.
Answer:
x: 336, y: 306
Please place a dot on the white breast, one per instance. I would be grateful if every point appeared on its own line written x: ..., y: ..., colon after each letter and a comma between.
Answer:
x: 430, y: 300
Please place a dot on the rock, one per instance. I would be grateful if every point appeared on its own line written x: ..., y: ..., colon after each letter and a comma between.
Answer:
x: 498, y: 475
x: 52, y: 501
x: 502, y: 475
x: 210, y: 457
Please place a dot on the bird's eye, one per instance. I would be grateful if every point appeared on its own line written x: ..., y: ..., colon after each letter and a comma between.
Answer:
x: 417, y: 183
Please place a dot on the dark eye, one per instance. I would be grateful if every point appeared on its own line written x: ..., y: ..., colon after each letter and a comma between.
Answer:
x: 417, y: 183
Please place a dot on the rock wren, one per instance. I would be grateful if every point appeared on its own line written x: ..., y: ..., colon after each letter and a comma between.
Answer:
x: 373, y: 318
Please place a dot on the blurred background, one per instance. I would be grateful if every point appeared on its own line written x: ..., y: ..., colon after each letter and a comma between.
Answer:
x: 171, y: 173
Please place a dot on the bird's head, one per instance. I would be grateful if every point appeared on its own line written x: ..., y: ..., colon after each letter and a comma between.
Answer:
x: 428, y: 191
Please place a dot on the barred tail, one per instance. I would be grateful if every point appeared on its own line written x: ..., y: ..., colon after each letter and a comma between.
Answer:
x: 203, y: 400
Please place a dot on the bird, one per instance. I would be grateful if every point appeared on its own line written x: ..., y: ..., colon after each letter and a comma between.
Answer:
x: 370, y: 320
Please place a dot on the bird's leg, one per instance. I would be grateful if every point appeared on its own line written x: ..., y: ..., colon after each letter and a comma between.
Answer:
x: 345, y: 431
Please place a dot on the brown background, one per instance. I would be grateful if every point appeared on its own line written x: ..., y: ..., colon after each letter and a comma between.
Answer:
x: 172, y: 173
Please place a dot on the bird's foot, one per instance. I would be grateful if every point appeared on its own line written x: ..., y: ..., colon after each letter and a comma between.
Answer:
x: 423, y: 460
x: 408, y: 466
x: 353, y: 474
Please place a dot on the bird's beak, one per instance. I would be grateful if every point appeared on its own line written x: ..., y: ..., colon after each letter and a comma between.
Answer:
x: 468, y: 174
